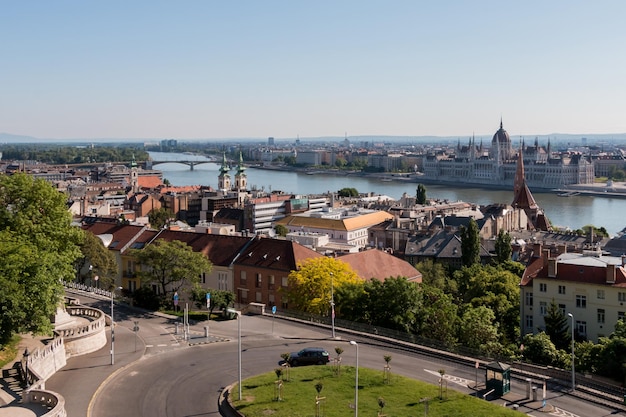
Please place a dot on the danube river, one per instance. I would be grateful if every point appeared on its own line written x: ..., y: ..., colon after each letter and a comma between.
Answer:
x: 573, y: 212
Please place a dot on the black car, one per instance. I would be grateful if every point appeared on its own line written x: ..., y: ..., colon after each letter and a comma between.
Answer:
x: 309, y: 356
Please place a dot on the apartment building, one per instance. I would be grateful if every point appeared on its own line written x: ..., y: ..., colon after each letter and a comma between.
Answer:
x: 590, y: 286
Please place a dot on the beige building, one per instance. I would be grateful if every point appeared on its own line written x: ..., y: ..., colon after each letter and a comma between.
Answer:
x: 347, y: 226
x: 590, y: 286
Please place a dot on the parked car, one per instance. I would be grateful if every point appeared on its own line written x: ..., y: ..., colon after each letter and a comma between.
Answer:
x: 309, y: 356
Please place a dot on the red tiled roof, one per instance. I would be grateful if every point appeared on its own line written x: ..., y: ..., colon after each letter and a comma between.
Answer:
x: 379, y: 264
x: 275, y: 254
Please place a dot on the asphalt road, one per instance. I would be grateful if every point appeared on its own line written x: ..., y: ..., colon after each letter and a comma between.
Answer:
x: 166, y: 376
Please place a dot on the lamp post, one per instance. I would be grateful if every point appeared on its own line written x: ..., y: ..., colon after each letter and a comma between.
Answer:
x: 573, y: 357
x: 113, y: 326
x: 26, y: 355
x: 332, y: 304
x: 356, y: 380
x: 239, y: 348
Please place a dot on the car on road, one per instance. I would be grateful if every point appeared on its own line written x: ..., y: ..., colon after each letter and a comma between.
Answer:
x: 309, y: 356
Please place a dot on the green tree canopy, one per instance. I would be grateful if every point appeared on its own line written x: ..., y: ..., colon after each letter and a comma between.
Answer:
x: 170, y: 265
x: 421, y: 194
x: 220, y: 299
x: 311, y: 284
x: 102, y: 260
x: 557, y: 327
x: 281, y: 230
x: 478, y: 328
x: 348, y: 192
x: 393, y: 303
x: 503, y: 246
x: 159, y: 217
x: 470, y: 244
x: 39, y: 248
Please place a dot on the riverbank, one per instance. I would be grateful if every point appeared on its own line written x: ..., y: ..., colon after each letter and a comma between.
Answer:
x: 614, y: 190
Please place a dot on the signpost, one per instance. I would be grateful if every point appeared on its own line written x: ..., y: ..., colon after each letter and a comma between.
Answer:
x: 208, y: 313
x: 273, y: 316
x: 175, y: 301
x: 136, y: 329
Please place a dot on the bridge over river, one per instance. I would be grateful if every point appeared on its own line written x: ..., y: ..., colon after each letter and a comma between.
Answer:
x: 190, y: 164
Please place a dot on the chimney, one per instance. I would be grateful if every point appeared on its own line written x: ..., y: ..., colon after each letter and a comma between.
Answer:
x: 545, y: 255
x: 610, y: 273
x: 537, y: 249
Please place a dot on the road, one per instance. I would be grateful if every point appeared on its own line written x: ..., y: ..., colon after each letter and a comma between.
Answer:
x: 170, y: 378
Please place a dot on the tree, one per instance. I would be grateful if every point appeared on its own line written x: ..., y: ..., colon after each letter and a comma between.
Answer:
x: 393, y: 303
x: 281, y: 230
x: 434, y: 274
x: 102, y: 260
x: 348, y: 192
x: 478, y: 328
x: 38, y: 248
x: 557, y: 327
x: 170, y: 265
x: 421, y: 194
x: 495, y: 288
x: 310, y: 284
x: 539, y: 349
x: 503, y: 246
x: 159, y: 217
x: 220, y: 299
x: 438, y: 316
x: 470, y: 244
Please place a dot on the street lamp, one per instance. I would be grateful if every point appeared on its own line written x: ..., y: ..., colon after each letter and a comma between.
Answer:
x: 573, y: 357
x: 239, y: 348
x: 356, y: 380
x: 332, y: 304
x: 113, y: 326
x: 26, y: 355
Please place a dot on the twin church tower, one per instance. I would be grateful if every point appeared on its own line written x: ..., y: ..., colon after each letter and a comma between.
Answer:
x: 241, y: 180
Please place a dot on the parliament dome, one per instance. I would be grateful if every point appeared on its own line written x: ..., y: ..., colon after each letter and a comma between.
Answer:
x: 501, y: 137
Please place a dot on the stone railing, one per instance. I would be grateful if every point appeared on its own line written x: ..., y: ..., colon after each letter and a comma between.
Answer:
x: 87, y: 336
x: 45, y: 361
x: 55, y: 403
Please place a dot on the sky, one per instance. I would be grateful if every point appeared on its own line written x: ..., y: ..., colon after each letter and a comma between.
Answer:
x: 260, y: 68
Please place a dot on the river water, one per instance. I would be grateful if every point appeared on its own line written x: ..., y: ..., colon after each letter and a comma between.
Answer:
x: 573, y: 212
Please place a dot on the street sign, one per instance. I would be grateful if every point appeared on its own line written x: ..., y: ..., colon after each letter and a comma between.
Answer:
x: 208, y: 300
x: 273, y: 309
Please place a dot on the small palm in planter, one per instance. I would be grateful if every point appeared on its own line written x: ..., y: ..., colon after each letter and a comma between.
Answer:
x: 318, y: 399
x: 381, y: 404
x: 387, y: 370
x: 285, y: 364
x: 338, y: 351
x: 278, y: 385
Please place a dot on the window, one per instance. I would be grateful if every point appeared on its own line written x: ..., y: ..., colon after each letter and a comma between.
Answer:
x: 581, y: 301
x: 529, y: 299
x: 601, y: 315
x: 285, y: 281
x: 621, y: 296
x: 561, y: 289
x: 529, y: 322
x: 242, y: 277
x: 581, y: 328
x: 543, y: 308
x: 600, y: 295
x: 562, y: 308
x: 543, y: 287
x: 621, y: 315
x: 259, y: 297
x: 270, y: 282
x: 258, y: 280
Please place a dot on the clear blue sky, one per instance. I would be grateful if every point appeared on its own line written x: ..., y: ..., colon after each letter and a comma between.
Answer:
x: 259, y: 68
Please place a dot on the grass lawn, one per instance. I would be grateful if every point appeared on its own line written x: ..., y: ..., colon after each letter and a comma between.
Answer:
x: 402, y: 396
x: 8, y: 352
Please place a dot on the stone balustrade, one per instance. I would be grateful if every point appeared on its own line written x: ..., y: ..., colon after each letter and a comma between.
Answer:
x: 53, y: 402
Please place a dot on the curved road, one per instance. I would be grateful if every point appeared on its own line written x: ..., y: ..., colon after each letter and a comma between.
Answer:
x: 174, y: 379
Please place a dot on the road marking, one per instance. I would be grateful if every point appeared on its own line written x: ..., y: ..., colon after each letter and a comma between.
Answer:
x: 562, y: 413
x: 455, y: 379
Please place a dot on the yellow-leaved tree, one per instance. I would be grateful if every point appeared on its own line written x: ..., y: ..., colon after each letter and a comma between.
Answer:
x: 311, y: 286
